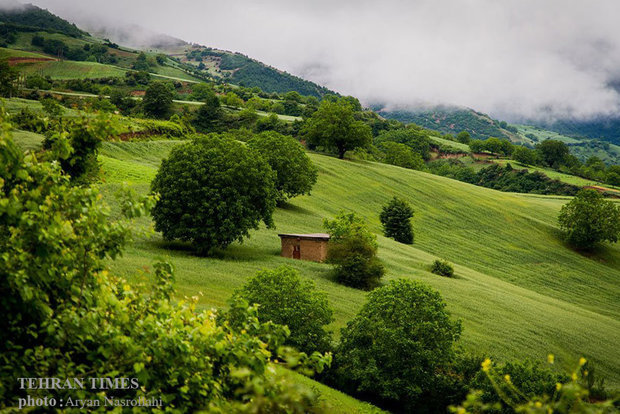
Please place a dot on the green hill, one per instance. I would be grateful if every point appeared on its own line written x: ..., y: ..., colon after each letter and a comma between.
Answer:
x: 27, y: 16
x: 520, y: 291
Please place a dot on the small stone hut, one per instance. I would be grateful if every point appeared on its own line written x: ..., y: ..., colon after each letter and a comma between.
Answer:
x: 305, y: 246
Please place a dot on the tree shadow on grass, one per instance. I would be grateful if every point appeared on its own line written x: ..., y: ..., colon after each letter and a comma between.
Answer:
x: 287, y: 206
x: 233, y: 253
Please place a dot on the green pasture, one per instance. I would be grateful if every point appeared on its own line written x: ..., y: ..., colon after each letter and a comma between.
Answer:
x: 520, y: 291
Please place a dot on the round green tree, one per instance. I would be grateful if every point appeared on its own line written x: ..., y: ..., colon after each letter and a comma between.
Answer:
x: 352, y: 249
x: 396, y: 220
x: 295, y: 173
x: 157, y: 101
x: 334, y: 127
x: 394, y: 350
x: 213, y: 190
x: 589, y: 219
x: 284, y: 298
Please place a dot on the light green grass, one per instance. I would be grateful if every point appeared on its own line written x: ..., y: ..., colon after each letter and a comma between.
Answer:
x: 333, y: 401
x: 28, y: 140
x: 449, y: 143
x: 67, y: 69
x: 6, y: 53
x: 520, y: 291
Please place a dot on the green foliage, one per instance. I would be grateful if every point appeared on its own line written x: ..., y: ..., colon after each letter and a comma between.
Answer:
x: 525, y: 387
x: 213, y: 190
x: 553, y: 153
x: 352, y: 249
x: 75, y: 320
x: 396, y: 348
x: 77, y: 146
x: 442, y: 268
x: 401, y: 155
x: 208, y: 117
x: 270, y: 123
x: 396, y: 220
x: 295, y: 173
x: 52, y: 108
x: 285, y: 299
x: 29, y: 16
x: 589, y: 219
x: 334, y: 127
x: 232, y: 99
x: 525, y: 155
x: 28, y: 120
x: 412, y: 136
x: 157, y: 101
x: 503, y: 178
x: 37, y: 82
x: 202, y: 92
x: 463, y: 137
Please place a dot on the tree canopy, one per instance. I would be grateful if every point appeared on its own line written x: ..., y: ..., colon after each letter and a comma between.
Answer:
x: 157, y: 101
x: 334, y: 127
x: 213, y: 190
x: 589, y: 219
x: 295, y: 173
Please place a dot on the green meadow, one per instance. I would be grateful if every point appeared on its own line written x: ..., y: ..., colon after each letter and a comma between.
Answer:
x: 519, y: 290
x: 66, y: 69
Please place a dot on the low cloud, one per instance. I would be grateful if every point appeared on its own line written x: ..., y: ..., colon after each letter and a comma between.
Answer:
x: 513, y: 59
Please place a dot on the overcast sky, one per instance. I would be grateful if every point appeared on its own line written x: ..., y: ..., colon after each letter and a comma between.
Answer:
x: 530, y: 58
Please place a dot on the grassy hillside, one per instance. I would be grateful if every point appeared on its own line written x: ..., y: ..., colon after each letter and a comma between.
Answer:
x: 71, y: 70
x: 520, y: 291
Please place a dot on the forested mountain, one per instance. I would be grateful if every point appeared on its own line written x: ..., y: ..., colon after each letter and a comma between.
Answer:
x: 29, y: 16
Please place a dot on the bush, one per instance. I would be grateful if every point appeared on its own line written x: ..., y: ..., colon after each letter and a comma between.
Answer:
x: 525, y: 155
x: 589, y: 219
x: 295, y: 173
x: 401, y: 155
x: 352, y: 249
x: 442, y: 268
x: 213, y: 190
x: 395, y: 349
x: 415, y: 138
x: 285, y: 299
x: 396, y: 220
x: 66, y: 316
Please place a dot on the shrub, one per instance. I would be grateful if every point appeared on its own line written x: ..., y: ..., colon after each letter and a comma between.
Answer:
x: 589, y: 219
x: 394, y: 351
x: 295, y: 173
x: 352, y: 249
x: 415, y: 138
x: 396, y: 220
x: 285, y: 299
x: 401, y: 155
x: 442, y: 268
x: 66, y: 316
x: 213, y: 190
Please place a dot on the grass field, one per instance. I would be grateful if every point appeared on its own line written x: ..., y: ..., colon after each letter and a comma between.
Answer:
x: 5, y: 53
x: 449, y: 143
x: 67, y: 69
x: 519, y: 290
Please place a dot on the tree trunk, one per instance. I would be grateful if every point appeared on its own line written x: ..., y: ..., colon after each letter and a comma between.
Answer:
x: 341, y: 152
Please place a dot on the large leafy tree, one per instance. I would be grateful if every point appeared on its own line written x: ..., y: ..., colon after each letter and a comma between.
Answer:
x: 213, y: 191
x: 552, y: 152
x: 414, y: 137
x: 209, y: 116
x: 287, y: 299
x: 589, y: 219
x: 295, y: 173
x: 334, y: 127
x: 396, y: 348
x: 157, y: 101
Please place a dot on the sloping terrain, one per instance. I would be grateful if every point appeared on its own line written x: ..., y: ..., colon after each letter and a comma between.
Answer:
x: 519, y: 290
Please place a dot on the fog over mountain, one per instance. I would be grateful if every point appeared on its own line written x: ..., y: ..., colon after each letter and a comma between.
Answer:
x: 513, y: 59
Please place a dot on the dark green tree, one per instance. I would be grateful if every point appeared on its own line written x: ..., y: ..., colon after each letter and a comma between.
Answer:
x: 553, y: 153
x: 157, y: 101
x: 334, y: 127
x: 396, y: 350
x: 463, y: 137
x: 8, y: 77
x: 209, y: 116
x: 213, y: 191
x: 524, y: 155
x: 284, y: 298
x: 396, y: 220
x: 295, y: 173
x: 589, y: 219
x: 352, y: 249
